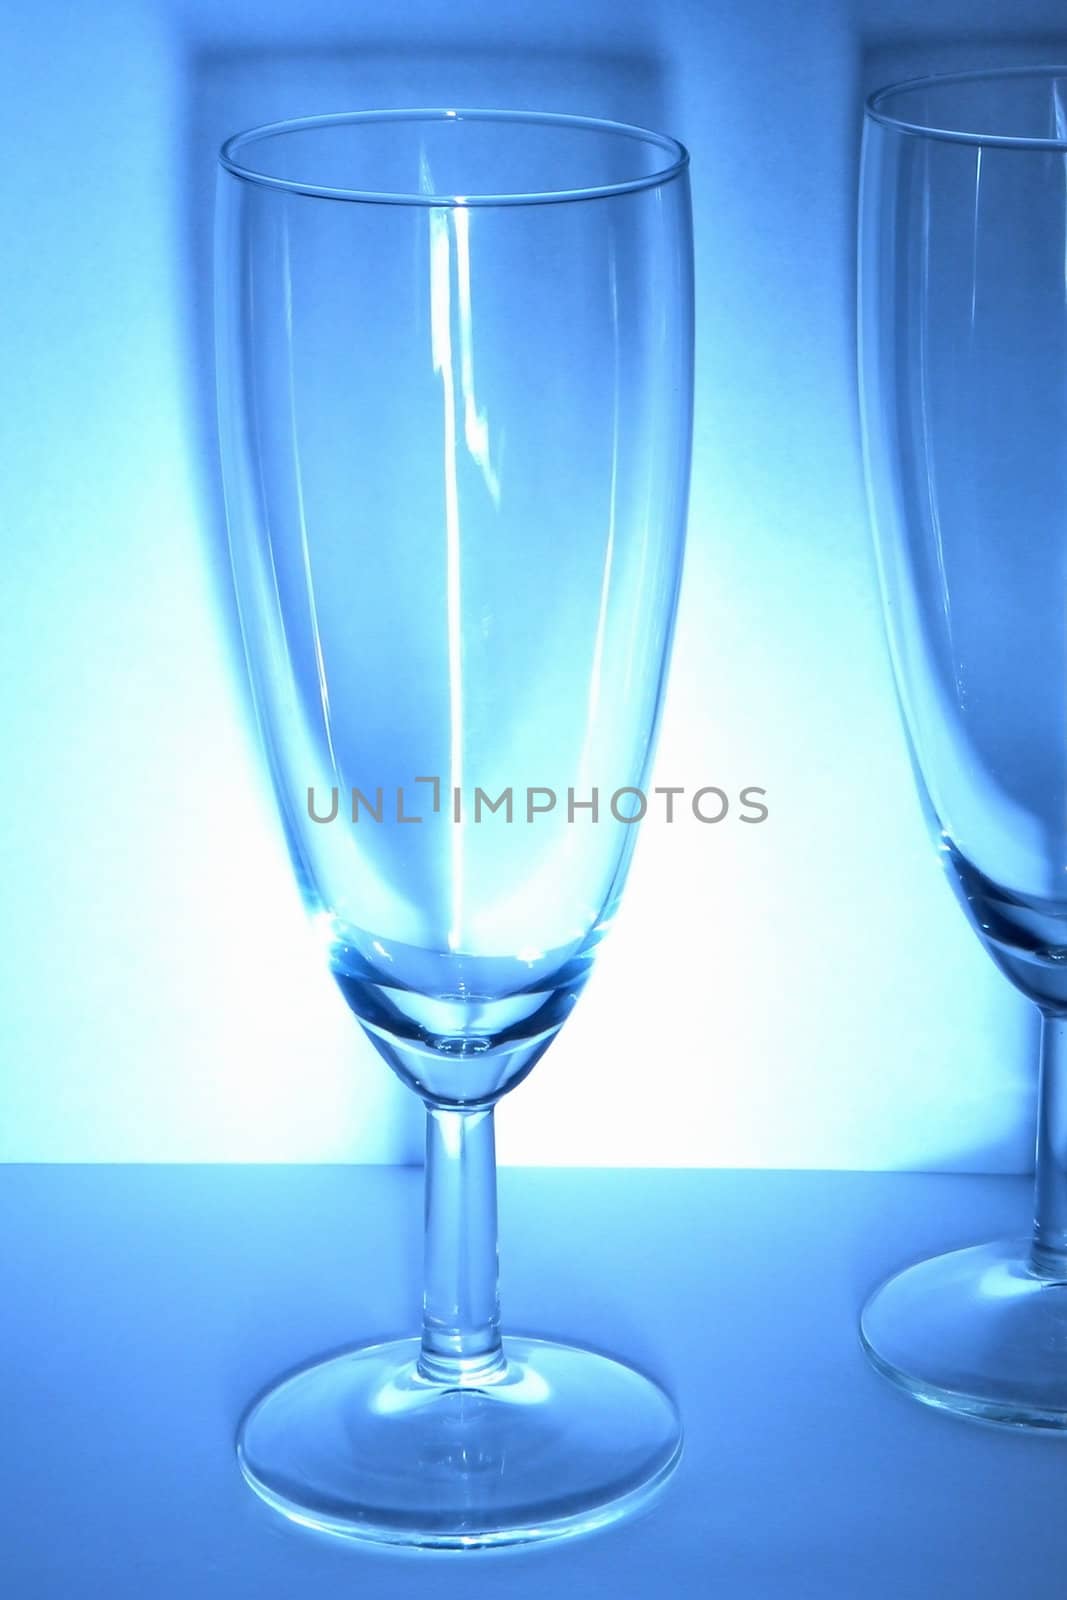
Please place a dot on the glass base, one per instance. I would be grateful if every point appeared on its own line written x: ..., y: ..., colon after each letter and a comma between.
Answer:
x: 560, y: 1442
x: 977, y: 1332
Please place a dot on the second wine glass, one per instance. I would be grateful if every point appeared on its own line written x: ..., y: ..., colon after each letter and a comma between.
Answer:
x: 963, y: 323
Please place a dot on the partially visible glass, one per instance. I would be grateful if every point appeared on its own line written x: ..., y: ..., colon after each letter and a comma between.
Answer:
x: 963, y: 376
x: 455, y: 379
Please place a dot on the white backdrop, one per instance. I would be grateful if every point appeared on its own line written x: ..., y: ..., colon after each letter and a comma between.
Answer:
x: 799, y: 994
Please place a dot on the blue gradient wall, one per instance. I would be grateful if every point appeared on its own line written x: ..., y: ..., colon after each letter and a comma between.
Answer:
x: 802, y: 993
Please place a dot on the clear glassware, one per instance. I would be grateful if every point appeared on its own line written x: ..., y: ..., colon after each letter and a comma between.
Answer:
x: 455, y: 396
x: 963, y: 378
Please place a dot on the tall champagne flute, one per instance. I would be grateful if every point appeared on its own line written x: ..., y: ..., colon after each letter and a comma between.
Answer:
x: 455, y: 394
x: 963, y: 375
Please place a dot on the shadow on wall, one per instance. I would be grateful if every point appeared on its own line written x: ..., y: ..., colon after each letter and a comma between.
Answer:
x: 887, y: 59
x: 228, y: 91
x: 233, y: 90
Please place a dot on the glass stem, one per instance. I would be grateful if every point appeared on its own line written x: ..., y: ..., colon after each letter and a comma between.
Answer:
x: 461, y: 1309
x: 1049, y: 1250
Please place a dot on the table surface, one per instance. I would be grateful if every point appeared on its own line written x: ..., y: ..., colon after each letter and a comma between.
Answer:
x: 143, y: 1306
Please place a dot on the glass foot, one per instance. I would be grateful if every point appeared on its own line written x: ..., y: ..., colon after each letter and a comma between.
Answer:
x: 561, y: 1442
x: 977, y: 1332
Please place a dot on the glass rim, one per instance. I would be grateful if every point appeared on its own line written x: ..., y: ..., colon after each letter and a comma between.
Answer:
x: 874, y: 109
x: 675, y: 150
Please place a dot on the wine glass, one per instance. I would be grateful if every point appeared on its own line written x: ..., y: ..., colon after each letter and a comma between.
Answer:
x: 455, y: 398
x: 963, y: 378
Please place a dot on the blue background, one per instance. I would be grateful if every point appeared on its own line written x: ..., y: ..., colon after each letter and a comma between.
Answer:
x: 804, y: 993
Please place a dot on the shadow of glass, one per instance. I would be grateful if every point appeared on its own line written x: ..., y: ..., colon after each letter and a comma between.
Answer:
x: 229, y: 90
